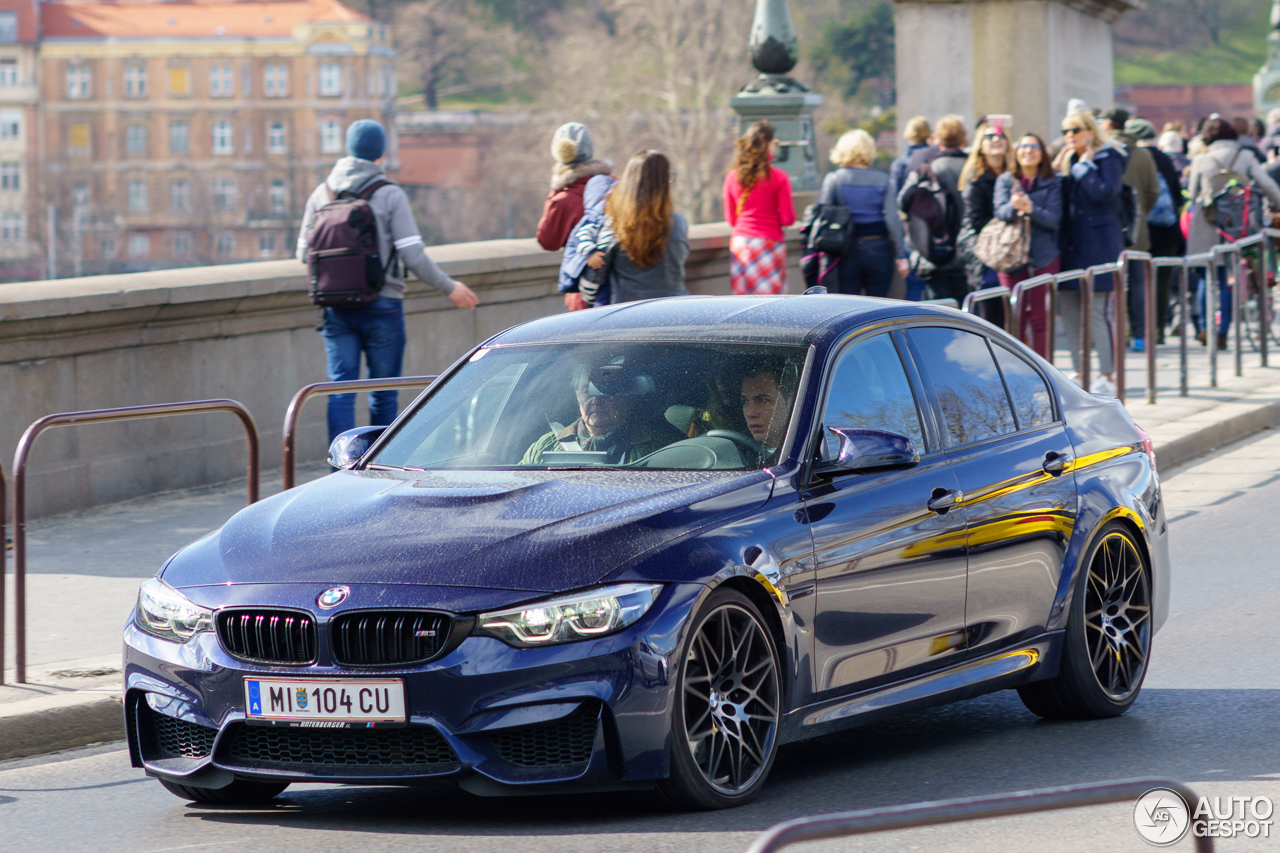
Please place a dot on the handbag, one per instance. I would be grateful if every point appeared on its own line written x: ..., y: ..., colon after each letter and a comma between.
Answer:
x: 1005, y: 246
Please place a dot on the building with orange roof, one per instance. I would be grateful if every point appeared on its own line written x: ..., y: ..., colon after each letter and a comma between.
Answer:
x: 21, y: 250
x: 186, y: 133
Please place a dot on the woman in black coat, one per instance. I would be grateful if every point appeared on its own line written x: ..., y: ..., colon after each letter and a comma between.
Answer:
x: 989, y: 158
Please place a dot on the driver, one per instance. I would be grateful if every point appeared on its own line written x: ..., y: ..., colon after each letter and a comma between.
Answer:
x: 608, y: 396
x: 767, y: 394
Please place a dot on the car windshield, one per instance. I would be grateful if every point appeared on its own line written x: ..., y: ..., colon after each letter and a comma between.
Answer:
x: 650, y: 404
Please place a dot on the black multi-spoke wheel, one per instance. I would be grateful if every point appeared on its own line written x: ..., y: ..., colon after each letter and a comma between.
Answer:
x: 1108, y: 637
x: 728, y: 707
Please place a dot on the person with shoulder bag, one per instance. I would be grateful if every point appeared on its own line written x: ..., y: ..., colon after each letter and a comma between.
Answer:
x: 874, y: 239
x: 1223, y: 184
x: 757, y: 205
x: 989, y: 158
x: 1030, y: 200
x: 357, y: 236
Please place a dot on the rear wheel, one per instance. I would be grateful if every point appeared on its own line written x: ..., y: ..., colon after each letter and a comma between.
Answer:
x: 727, y: 708
x: 241, y: 792
x: 1108, y: 637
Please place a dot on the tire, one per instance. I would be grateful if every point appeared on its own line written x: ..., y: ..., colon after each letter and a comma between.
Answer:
x: 1108, y: 638
x: 241, y: 792
x: 717, y: 760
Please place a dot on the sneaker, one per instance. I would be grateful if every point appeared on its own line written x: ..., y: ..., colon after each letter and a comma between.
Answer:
x: 1139, y: 345
x: 1102, y: 386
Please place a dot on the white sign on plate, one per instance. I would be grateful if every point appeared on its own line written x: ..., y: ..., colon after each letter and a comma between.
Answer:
x: 324, y: 702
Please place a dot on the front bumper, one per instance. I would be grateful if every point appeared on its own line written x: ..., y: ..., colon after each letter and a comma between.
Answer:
x: 593, y: 714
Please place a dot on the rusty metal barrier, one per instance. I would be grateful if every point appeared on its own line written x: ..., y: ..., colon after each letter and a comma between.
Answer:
x: 1127, y: 257
x: 1050, y: 297
x: 916, y: 815
x: 1205, y: 261
x: 328, y: 389
x: 973, y: 299
x: 1184, y: 314
x: 95, y: 416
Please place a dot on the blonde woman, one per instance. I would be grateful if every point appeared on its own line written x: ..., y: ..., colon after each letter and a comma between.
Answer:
x: 652, y: 239
x: 991, y: 157
x: 1093, y: 173
x: 873, y: 202
x: 758, y: 205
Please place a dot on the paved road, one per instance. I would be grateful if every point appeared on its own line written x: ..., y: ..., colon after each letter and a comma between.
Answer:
x: 1209, y: 715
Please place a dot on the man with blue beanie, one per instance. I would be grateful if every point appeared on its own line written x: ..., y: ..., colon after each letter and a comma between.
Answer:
x: 375, y: 328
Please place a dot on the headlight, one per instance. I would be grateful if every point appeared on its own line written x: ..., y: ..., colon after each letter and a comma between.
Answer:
x: 576, y: 617
x: 168, y: 614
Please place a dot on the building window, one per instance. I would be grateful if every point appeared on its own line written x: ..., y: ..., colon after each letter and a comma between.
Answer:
x: 276, y: 81
x: 279, y: 197
x: 179, y: 137
x: 266, y: 244
x: 179, y: 196
x: 79, y: 138
x: 8, y: 27
x: 222, y: 138
x: 275, y: 138
x: 135, y: 139
x: 220, y: 81
x: 137, y: 196
x: 10, y: 124
x: 107, y: 246
x: 331, y: 79
x: 181, y: 244
x: 10, y: 176
x: 139, y: 245
x: 226, y: 245
x: 330, y: 136
x: 179, y: 80
x: 8, y: 72
x: 11, y: 228
x: 135, y: 82
x: 78, y: 82
x: 224, y: 194
x: 80, y: 194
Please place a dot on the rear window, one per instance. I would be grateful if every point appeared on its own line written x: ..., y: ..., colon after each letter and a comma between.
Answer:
x: 963, y: 374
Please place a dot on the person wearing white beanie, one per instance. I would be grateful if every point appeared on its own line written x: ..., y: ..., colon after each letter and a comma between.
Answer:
x: 573, y: 150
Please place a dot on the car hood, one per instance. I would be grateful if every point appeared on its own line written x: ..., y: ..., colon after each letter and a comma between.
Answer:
x: 540, y: 531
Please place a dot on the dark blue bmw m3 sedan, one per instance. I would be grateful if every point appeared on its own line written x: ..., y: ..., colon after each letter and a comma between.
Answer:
x: 643, y: 546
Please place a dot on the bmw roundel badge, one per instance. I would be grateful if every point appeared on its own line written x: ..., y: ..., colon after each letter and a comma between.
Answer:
x: 331, y: 598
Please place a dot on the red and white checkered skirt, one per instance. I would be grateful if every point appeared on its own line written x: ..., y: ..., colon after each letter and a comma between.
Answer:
x: 757, y: 266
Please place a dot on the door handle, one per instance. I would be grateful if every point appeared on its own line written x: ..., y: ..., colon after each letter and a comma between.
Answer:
x: 1055, y: 463
x: 944, y: 499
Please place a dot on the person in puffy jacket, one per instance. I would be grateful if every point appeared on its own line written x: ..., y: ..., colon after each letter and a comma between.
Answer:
x: 1034, y: 191
x: 1093, y: 173
x: 583, y: 242
x: 867, y: 268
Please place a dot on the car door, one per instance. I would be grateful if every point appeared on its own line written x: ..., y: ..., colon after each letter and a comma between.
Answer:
x: 1012, y: 456
x: 890, y: 571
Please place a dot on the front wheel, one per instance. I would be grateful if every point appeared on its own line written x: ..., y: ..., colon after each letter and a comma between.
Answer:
x: 241, y: 792
x: 727, y: 709
x: 1108, y: 637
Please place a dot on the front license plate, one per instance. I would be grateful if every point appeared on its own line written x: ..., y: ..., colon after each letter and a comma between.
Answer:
x: 324, y: 703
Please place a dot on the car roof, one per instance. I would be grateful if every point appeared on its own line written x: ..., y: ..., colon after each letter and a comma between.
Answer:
x: 794, y: 320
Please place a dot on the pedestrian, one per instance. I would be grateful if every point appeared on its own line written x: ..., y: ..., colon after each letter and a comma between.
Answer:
x: 652, y: 239
x: 757, y: 205
x: 573, y: 150
x: 1167, y: 239
x: 1173, y: 145
x: 375, y: 328
x: 919, y: 137
x: 945, y: 276
x: 989, y: 158
x: 1141, y: 178
x: 575, y: 280
x: 1093, y: 174
x: 1032, y: 190
x: 877, y: 244
x: 1223, y: 152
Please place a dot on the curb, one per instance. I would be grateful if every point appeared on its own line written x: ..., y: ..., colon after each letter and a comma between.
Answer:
x: 65, y: 721
x: 1247, y: 420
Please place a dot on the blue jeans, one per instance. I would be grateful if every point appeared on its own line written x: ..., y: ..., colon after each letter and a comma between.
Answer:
x: 1224, y: 301
x: 868, y: 268
x: 915, y: 287
x: 377, y: 330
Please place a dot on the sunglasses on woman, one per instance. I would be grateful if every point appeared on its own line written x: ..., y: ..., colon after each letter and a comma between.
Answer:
x: 1072, y: 131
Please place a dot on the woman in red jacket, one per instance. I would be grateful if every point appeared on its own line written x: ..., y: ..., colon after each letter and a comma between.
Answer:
x: 757, y: 203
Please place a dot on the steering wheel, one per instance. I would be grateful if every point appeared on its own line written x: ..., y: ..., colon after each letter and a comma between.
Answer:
x: 741, y: 439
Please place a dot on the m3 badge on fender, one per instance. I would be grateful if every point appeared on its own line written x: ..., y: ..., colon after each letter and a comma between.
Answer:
x: 331, y: 598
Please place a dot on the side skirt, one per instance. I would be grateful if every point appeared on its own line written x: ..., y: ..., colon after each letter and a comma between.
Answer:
x: 1028, y: 662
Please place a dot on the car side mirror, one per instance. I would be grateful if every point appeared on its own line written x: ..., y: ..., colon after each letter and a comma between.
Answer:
x: 870, y: 450
x: 348, y: 448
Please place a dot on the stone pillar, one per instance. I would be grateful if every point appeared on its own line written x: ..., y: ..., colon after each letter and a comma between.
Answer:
x: 1266, y: 83
x: 1027, y: 58
x: 781, y: 99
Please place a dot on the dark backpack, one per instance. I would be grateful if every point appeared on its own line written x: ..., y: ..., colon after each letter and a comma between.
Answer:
x: 933, y: 218
x: 1230, y: 204
x: 342, y: 251
x: 830, y: 230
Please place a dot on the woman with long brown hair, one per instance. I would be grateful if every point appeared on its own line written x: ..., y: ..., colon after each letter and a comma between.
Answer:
x: 652, y: 240
x: 758, y: 205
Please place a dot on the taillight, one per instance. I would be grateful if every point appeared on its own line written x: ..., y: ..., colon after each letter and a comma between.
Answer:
x: 1148, y: 447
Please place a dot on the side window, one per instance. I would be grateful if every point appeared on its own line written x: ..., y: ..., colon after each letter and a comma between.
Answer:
x: 963, y: 374
x: 869, y: 389
x: 1031, y: 401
